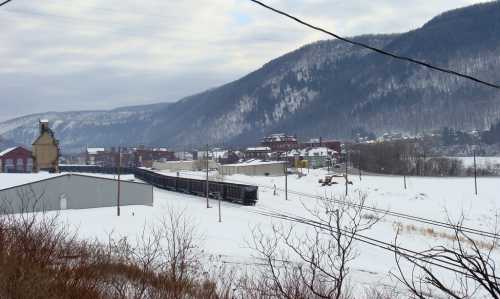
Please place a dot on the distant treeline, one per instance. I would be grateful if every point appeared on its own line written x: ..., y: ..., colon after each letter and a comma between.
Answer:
x: 492, y: 136
x: 407, y: 157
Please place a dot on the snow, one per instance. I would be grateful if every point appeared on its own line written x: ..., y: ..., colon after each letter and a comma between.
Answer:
x: 434, y: 198
x: 255, y: 162
x: 95, y: 150
x: 8, y: 180
x: 6, y: 151
x: 259, y: 148
x: 481, y: 162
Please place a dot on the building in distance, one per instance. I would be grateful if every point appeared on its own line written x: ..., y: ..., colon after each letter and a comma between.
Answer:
x: 46, y: 149
x: 16, y: 159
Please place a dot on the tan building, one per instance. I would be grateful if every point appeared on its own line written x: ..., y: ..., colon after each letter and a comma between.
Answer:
x: 46, y: 150
x: 254, y: 168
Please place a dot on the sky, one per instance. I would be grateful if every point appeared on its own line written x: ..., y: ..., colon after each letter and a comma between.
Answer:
x: 61, y: 55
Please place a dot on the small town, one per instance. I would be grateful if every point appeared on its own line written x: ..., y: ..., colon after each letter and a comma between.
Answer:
x: 250, y: 149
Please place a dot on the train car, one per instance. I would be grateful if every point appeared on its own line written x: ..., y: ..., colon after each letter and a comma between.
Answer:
x: 183, y: 185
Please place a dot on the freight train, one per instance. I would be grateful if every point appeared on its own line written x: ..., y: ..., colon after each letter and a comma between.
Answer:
x: 236, y: 193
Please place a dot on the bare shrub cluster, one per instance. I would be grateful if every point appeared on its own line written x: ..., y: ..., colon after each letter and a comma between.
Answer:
x: 316, y: 264
x: 39, y: 258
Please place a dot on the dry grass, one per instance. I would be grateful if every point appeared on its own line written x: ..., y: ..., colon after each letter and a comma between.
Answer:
x: 430, y: 232
x: 39, y: 259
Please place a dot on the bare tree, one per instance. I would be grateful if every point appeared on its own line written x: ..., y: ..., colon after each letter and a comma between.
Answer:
x: 470, y: 268
x: 315, y: 264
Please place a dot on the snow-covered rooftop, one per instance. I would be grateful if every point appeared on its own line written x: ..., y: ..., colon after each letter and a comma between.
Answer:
x: 95, y: 150
x: 255, y: 162
x: 258, y: 148
x: 6, y: 151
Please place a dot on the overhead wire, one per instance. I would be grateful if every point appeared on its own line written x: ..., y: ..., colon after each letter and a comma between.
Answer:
x: 5, y: 2
x: 401, y: 251
x: 375, y: 210
x: 377, y: 50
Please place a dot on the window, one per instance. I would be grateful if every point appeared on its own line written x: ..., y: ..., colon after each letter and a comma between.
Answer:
x: 9, y: 165
x: 20, y: 165
x: 29, y: 165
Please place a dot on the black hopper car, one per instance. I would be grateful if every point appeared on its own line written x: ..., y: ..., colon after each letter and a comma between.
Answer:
x: 236, y: 193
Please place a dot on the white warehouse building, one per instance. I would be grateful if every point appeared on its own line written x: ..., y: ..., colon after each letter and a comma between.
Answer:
x: 254, y: 168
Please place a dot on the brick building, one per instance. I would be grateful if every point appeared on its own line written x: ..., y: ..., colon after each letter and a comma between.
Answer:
x: 260, y: 152
x: 280, y: 142
x: 16, y: 159
x: 144, y: 157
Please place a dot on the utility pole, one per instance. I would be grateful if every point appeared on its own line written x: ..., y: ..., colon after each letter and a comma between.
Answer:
x: 206, y: 156
x: 359, y: 164
x: 475, y: 172
x: 119, y: 172
x: 220, y: 215
x: 346, y: 177
x: 286, y: 175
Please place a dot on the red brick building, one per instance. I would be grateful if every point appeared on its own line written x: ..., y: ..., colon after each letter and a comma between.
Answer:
x: 145, y: 157
x: 280, y: 142
x: 16, y: 159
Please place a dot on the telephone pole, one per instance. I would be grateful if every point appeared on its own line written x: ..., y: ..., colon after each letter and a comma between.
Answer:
x: 220, y: 215
x: 286, y: 175
x: 346, y: 177
x: 359, y: 164
x: 206, y: 191
x: 119, y: 172
x: 475, y: 172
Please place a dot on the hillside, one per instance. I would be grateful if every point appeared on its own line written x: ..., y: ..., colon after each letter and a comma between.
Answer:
x: 326, y: 88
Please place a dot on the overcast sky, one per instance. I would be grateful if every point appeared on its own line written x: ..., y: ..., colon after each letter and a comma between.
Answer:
x: 59, y: 55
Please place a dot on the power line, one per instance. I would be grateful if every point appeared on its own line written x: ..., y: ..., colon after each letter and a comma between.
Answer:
x: 375, y: 210
x: 401, y: 251
x: 5, y: 2
x: 380, y: 51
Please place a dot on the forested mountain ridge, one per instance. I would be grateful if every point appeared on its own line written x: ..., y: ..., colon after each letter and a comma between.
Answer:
x: 329, y: 88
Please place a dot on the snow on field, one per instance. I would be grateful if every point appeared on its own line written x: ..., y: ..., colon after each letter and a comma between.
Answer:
x: 481, y: 162
x: 434, y: 198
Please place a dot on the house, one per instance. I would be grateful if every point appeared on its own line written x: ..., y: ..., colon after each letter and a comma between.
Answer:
x: 260, y: 152
x: 92, y: 155
x: 320, y: 142
x: 316, y: 157
x: 183, y: 156
x: 223, y: 156
x: 16, y: 159
x: 45, y: 149
x: 280, y: 142
x: 320, y: 156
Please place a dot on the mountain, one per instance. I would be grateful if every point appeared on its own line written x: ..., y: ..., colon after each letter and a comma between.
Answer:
x: 4, y: 144
x: 77, y: 129
x: 328, y: 88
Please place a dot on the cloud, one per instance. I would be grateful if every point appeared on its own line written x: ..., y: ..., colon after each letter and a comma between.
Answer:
x: 67, y: 55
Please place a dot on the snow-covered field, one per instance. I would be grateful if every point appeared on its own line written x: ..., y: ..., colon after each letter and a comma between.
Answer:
x: 481, y: 162
x: 434, y: 198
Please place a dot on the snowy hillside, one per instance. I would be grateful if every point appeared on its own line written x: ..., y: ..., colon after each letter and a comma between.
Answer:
x: 78, y: 129
x: 327, y: 89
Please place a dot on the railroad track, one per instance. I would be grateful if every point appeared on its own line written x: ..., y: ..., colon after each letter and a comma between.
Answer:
x: 423, y: 220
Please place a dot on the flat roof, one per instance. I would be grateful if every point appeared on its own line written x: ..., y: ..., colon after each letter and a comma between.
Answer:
x: 255, y: 163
